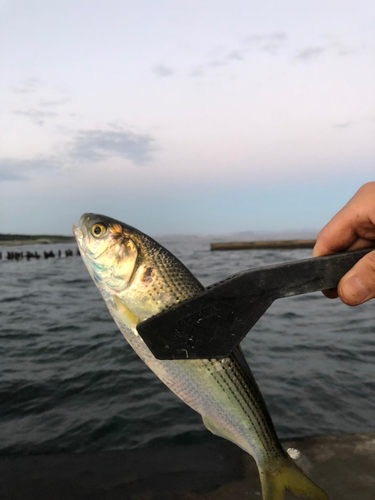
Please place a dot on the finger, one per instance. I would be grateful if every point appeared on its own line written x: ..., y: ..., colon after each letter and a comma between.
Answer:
x: 355, y: 221
x: 338, y: 235
x: 331, y: 293
x: 358, y: 285
x: 356, y: 245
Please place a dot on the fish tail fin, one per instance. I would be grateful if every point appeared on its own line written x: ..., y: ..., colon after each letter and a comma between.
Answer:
x: 289, y: 477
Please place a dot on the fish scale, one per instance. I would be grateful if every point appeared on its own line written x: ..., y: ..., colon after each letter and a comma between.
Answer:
x: 252, y: 405
x: 223, y: 391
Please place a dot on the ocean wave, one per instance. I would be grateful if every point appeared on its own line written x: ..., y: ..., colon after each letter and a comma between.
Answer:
x: 69, y: 381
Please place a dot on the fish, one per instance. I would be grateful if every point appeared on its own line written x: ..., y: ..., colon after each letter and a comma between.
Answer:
x: 138, y: 278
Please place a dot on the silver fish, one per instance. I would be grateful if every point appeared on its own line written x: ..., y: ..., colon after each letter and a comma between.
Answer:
x: 138, y: 278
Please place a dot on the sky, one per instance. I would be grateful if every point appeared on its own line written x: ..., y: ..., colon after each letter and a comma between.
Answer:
x: 194, y: 116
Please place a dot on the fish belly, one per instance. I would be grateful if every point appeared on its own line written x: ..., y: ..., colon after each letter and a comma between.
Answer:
x: 226, y: 397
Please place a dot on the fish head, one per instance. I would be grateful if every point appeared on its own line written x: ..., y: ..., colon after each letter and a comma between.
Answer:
x: 108, y: 251
x: 130, y: 268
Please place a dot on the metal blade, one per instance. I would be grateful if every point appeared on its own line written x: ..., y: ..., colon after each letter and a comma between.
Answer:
x: 213, y: 323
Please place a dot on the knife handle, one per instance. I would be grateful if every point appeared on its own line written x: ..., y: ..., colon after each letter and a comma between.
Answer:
x: 212, y: 323
x: 310, y: 275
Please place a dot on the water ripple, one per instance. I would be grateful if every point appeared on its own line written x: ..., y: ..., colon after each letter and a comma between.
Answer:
x: 69, y: 382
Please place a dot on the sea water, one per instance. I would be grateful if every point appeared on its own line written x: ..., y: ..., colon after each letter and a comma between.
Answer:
x: 69, y: 382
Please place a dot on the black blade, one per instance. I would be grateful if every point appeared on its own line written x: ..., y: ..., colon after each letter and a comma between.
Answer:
x: 213, y: 323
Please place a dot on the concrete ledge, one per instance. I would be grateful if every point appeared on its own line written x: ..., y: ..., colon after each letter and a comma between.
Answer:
x: 344, y: 466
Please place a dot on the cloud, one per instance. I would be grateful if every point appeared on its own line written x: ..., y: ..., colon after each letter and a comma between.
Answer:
x: 37, y: 112
x: 37, y: 116
x: 12, y: 169
x: 57, y: 102
x: 97, y: 145
x: 89, y: 145
x: 216, y: 63
x: 343, y: 125
x: 310, y: 53
x: 235, y: 55
x: 26, y: 86
x: 163, y: 71
x: 271, y: 42
x: 341, y: 49
x: 197, y: 72
x: 333, y: 45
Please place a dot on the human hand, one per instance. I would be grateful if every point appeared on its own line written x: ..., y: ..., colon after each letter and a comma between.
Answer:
x: 350, y: 229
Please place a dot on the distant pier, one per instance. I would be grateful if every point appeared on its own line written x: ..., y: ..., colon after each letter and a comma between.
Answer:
x: 263, y: 245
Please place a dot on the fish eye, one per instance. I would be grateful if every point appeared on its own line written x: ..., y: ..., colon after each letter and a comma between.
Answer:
x: 98, y: 230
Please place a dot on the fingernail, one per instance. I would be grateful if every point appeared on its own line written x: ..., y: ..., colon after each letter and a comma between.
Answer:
x: 354, y: 289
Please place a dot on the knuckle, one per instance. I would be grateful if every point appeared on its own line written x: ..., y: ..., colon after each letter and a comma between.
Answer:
x: 369, y: 185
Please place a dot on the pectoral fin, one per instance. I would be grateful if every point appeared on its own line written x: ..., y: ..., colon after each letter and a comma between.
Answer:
x: 128, y: 317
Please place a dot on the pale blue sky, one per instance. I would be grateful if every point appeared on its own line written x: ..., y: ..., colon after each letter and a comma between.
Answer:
x: 184, y: 116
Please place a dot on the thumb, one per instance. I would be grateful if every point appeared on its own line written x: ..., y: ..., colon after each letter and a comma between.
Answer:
x: 358, y: 285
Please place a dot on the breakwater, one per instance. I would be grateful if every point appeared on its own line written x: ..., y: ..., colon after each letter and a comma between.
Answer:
x: 35, y: 255
x: 263, y: 245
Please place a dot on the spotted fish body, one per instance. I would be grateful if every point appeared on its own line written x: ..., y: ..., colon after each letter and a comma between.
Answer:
x: 138, y: 278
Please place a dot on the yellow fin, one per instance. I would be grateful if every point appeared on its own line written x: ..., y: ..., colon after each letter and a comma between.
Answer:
x: 130, y: 319
x: 290, y: 477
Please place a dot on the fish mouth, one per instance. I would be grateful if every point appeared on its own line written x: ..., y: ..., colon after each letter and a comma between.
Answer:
x: 78, y: 233
x: 81, y: 232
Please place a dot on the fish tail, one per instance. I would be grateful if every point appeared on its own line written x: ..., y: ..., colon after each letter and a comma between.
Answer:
x: 289, y: 477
